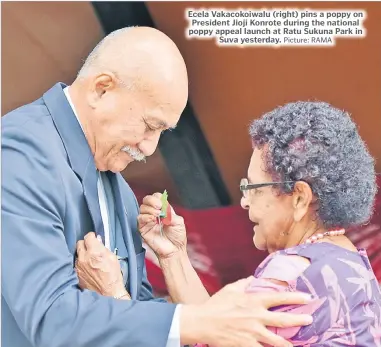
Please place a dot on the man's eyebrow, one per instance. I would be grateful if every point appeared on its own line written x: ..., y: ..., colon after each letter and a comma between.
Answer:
x: 163, y: 124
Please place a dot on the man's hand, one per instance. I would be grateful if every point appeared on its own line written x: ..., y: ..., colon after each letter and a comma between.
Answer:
x: 233, y: 318
x: 174, y: 237
x: 97, y: 268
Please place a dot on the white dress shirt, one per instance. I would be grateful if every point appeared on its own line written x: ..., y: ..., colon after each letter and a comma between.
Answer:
x: 174, y: 333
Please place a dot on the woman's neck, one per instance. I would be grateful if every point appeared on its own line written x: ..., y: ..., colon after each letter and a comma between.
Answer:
x: 338, y: 240
x: 311, y: 232
x: 301, y: 233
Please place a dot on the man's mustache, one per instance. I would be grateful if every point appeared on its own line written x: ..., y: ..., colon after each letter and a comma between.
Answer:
x: 134, y: 153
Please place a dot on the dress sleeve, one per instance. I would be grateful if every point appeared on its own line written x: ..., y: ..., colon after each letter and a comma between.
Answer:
x: 285, y: 268
x: 280, y: 275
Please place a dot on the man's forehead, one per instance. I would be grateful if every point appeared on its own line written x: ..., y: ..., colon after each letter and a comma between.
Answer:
x: 162, y: 114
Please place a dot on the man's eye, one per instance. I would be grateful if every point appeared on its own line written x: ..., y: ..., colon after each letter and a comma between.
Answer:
x: 150, y: 127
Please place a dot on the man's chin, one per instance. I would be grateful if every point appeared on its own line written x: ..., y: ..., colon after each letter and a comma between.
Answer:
x: 119, y: 167
x: 115, y: 164
x: 119, y: 164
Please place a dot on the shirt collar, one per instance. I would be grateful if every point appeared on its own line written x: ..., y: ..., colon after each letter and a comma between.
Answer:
x: 66, y: 92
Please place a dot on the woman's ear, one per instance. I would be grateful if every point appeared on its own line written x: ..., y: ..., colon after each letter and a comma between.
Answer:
x: 301, y: 200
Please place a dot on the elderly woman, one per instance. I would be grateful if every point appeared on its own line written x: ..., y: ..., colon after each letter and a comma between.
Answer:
x: 310, y: 178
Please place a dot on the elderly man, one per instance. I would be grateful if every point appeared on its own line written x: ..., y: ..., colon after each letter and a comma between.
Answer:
x: 61, y: 183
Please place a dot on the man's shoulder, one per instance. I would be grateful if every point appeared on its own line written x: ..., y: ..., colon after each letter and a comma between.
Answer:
x: 30, y: 129
x: 32, y: 112
x: 31, y: 120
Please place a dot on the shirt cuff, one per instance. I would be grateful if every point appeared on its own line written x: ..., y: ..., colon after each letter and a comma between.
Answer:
x: 174, y: 332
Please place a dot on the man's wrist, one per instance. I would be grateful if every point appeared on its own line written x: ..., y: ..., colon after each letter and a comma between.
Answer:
x: 124, y: 295
x: 114, y: 289
x: 193, y: 325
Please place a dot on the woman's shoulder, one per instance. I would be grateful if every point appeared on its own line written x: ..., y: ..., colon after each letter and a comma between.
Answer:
x: 283, y: 267
x: 341, y: 281
x: 315, y: 262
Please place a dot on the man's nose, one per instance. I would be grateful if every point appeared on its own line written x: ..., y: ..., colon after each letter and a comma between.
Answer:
x: 148, y: 145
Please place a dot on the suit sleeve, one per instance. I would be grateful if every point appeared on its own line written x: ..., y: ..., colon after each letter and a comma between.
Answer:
x: 39, y: 283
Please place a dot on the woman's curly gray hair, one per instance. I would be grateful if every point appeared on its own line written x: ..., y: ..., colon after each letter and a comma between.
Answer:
x: 319, y: 144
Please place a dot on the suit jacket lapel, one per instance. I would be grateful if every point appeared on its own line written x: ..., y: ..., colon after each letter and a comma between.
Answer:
x: 80, y: 157
x: 116, y: 184
x: 90, y: 190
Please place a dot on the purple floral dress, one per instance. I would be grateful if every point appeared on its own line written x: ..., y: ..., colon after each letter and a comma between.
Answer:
x: 347, y: 305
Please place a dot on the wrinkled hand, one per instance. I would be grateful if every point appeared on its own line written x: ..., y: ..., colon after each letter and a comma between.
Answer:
x: 97, y: 268
x: 174, y: 237
x: 232, y: 318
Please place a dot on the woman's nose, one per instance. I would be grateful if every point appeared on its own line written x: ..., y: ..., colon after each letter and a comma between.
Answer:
x: 244, y: 203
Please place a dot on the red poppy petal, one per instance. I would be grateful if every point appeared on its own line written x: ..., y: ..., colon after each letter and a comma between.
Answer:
x: 168, y: 219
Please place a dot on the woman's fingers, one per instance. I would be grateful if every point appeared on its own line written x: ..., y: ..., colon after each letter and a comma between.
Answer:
x: 153, y: 201
x: 146, y: 209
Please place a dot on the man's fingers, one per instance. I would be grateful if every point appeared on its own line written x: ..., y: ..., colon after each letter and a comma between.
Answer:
x: 268, y: 337
x: 81, y: 249
x: 285, y: 320
x: 241, y: 284
x: 285, y: 298
x: 255, y: 344
x: 89, y: 236
x: 92, y: 242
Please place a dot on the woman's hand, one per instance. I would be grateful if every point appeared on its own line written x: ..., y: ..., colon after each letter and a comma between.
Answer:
x: 173, y: 239
x: 98, y: 269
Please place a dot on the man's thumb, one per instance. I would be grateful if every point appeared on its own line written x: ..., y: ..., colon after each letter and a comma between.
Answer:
x: 242, y: 284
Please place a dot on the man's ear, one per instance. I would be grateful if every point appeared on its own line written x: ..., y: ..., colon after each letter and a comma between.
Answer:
x: 301, y: 200
x: 100, y: 85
